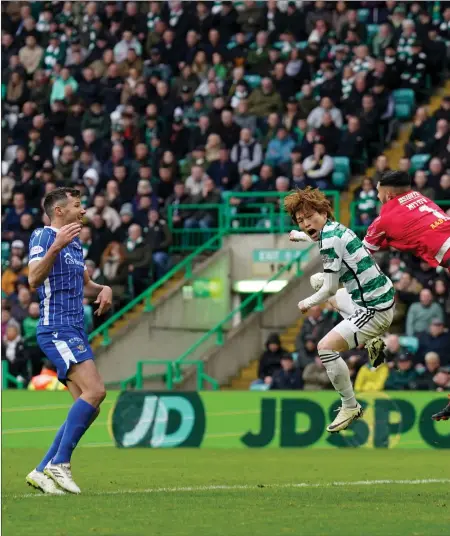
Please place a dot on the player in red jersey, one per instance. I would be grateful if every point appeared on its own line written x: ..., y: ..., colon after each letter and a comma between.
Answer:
x: 410, y: 222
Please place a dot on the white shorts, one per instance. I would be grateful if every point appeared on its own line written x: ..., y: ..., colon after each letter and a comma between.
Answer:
x: 360, y: 324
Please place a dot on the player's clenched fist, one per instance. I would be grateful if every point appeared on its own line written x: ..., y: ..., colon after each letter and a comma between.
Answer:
x: 299, y: 236
x: 66, y: 234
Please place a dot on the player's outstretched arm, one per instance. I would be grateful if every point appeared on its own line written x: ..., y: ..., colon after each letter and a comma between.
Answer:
x: 40, y: 270
x: 327, y: 290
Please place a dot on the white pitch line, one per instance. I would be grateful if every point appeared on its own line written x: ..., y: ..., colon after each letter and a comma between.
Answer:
x: 251, y: 487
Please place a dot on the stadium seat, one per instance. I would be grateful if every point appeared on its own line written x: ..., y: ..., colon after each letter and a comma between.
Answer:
x: 410, y: 343
x: 253, y: 80
x: 363, y: 15
x: 259, y: 387
x: 419, y: 161
x: 372, y: 30
x: 5, y: 253
x: 404, y: 103
x: 341, y: 174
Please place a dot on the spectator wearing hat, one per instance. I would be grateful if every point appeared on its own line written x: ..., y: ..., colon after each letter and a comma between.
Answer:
x: 270, y: 360
x: 403, y: 375
x: 421, y: 314
x: 436, y: 339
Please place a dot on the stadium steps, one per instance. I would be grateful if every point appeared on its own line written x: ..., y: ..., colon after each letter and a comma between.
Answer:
x: 393, y: 153
x: 135, y: 313
x: 249, y: 373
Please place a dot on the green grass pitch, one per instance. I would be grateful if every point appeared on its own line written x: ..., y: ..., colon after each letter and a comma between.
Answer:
x: 232, y: 492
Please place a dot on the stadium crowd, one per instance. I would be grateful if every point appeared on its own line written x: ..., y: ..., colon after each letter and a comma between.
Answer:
x: 146, y: 107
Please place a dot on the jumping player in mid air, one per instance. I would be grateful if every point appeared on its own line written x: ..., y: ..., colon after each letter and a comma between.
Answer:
x: 366, y: 301
x: 410, y: 222
x: 57, y: 271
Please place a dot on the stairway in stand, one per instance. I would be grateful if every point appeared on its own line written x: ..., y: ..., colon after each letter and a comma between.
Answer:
x: 249, y: 373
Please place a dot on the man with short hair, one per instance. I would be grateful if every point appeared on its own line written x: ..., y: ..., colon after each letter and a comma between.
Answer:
x: 57, y: 270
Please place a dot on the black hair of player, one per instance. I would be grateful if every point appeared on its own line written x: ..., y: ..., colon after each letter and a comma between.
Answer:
x: 57, y: 196
x: 396, y: 179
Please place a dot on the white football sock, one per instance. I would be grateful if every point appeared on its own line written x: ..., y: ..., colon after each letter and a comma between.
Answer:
x: 339, y: 375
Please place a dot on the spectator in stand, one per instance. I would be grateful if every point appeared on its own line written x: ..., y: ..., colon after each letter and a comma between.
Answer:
x: 264, y: 100
x: 420, y: 184
x: 370, y: 379
x: 423, y: 130
x: 14, y: 353
x: 280, y: 148
x: 138, y: 258
x: 114, y: 270
x: 393, y: 349
x: 441, y: 294
x: 400, y: 378
x: 315, y: 118
x: 315, y: 326
x: 288, y: 378
x: 421, y: 314
x: 427, y: 374
x: 315, y: 377
x: 247, y: 154
x: 12, y: 274
x: 366, y: 203
x: 319, y: 167
x: 436, y: 339
x: 270, y: 360
x: 32, y: 351
x: 159, y: 238
x: 223, y: 171
x: 351, y: 142
x: 110, y: 215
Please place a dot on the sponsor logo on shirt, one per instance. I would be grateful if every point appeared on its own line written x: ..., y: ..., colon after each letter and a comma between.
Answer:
x: 70, y: 260
x: 35, y: 250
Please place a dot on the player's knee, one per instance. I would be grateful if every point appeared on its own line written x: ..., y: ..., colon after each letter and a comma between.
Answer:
x: 323, y: 345
x: 97, y: 394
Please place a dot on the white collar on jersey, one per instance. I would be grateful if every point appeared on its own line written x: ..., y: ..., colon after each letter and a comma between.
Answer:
x: 52, y: 228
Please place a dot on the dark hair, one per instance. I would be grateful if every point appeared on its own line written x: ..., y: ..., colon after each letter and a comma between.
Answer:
x: 397, y: 179
x: 59, y: 195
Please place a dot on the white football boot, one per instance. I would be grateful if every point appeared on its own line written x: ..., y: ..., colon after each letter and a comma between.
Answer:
x: 375, y: 348
x: 344, y: 418
x: 43, y: 483
x: 61, y: 474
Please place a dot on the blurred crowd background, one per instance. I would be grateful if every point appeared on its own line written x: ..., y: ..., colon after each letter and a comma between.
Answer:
x: 149, y: 107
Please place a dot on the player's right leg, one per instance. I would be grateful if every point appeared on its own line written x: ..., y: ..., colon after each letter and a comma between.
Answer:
x: 87, y: 379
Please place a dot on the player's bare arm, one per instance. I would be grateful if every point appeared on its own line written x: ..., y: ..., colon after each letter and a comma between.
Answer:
x: 40, y: 269
x: 103, y: 292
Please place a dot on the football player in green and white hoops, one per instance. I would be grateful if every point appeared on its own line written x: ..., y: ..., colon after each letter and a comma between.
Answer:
x: 366, y: 301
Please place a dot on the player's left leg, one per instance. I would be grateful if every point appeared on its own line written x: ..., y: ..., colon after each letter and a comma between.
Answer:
x: 329, y: 348
x: 86, y: 378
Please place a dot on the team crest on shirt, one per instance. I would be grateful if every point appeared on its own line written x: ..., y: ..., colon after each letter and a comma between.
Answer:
x: 76, y: 245
x: 78, y: 343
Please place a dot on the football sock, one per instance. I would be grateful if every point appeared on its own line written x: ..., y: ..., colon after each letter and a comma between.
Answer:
x: 52, y: 450
x: 77, y: 423
x: 339, y: 375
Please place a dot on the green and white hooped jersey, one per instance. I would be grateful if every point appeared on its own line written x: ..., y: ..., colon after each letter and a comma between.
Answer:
x: 343, y: 252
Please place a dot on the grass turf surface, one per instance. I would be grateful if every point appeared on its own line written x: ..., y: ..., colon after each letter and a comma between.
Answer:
x: 259, y: 509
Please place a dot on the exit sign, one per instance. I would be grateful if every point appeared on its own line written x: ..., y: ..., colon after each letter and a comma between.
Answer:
x: 276, y: 255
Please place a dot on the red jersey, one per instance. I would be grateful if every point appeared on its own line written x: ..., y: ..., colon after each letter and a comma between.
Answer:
x: 412, y: 222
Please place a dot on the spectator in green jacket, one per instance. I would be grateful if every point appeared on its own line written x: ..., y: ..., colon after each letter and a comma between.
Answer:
x: 421, y: 314
x: 96, y: 119
x: 264, y: 100
x: 399, y: 379
x: 32, y: 351
x: 59, y: 85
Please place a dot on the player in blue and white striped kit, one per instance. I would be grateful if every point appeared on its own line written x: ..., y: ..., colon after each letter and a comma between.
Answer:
x: 57, y: 270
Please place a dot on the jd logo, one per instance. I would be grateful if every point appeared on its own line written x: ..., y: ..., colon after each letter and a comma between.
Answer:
x: 384, y: 422
x: 158, y: 420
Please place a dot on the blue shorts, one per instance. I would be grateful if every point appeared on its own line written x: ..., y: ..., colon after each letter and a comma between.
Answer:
x: 64, y: 346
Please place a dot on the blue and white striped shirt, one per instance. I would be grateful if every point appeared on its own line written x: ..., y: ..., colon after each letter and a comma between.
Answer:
x: 61, y: 294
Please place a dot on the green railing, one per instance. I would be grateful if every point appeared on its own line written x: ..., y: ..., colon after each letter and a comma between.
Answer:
x: 264, y: 214
x: 186, y: 265
x: 8, y: 378
x: 360, y: 230
x: 218, y: 332
x: 137, y: 380
x: 200, y: 241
